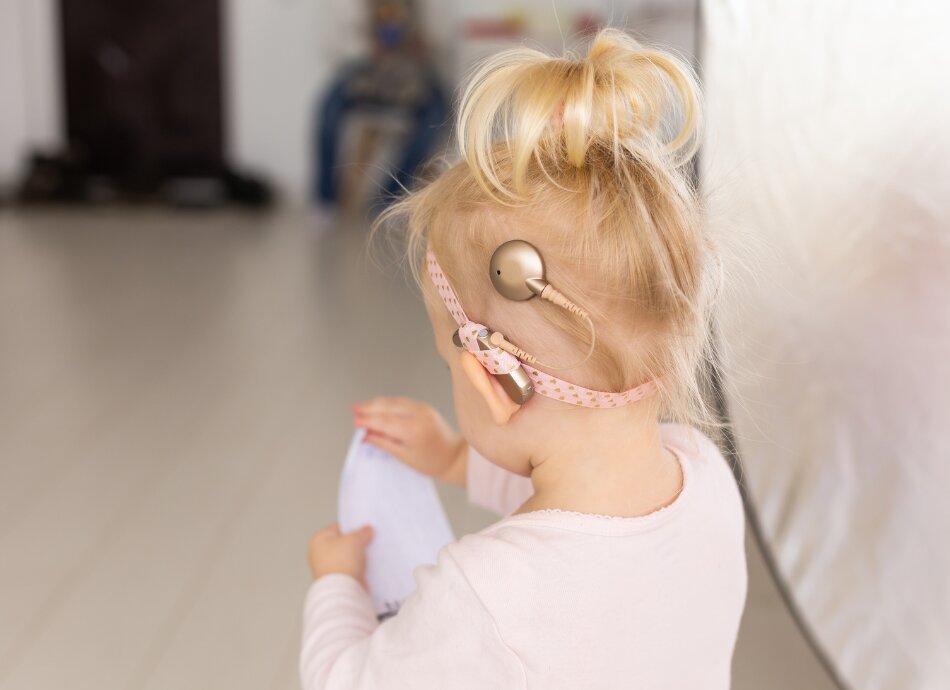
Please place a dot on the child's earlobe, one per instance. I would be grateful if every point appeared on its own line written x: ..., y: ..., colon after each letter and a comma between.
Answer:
x: 501, y: 407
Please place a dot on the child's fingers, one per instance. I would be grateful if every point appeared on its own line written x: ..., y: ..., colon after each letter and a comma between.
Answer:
x: 389, y: 405
x: 394, y: 448
x: 328, y: 532
x: 393, y: 426
x: 363, y: 535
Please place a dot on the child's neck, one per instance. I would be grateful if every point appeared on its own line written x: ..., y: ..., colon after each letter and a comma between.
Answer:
x: 612, y: 466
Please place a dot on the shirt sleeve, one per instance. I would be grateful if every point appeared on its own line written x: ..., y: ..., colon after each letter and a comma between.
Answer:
x: 495, y: 488
x: 442, y: 637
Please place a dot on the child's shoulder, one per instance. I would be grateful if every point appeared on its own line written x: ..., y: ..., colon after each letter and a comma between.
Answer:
x: 689, y: 439
x: 711, y: 473
x: 695, y: 448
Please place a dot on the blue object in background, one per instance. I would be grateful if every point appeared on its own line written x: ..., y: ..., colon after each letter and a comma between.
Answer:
x: 427, y: 116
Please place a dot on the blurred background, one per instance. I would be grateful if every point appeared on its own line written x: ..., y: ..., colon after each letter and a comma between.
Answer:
x: 187, y: 312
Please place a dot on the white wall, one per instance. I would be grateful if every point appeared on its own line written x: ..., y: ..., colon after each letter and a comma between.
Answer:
x: 278, y: 55
x: 29, y: 82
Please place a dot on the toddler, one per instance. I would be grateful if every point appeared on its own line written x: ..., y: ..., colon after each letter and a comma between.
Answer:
x: 576, y: 357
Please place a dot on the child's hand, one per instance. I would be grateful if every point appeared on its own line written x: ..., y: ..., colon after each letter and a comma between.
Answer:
x: 332, y: 552
x: 416, y: 434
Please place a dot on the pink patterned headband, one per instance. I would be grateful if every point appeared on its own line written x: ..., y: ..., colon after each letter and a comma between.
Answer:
x: 497, y: 361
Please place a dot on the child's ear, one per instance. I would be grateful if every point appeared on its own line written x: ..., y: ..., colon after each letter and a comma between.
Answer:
x: 499, y: 404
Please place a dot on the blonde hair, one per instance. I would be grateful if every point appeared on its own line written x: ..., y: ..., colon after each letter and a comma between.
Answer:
x: 586, y: 158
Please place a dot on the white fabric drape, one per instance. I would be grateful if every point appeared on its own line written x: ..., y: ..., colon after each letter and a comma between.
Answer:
x: 828, y: 162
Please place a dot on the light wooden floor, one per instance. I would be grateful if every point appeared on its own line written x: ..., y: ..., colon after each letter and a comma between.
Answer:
x: 174, y: 392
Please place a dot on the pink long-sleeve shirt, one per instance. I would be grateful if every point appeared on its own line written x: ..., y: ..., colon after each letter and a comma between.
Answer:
x: 553, y: 599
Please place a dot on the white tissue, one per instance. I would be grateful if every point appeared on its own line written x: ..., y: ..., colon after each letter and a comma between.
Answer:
x: 404, y: 509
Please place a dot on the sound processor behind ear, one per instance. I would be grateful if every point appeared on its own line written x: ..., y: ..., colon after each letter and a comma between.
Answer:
x: 516, y: 270
x: 515, y: 381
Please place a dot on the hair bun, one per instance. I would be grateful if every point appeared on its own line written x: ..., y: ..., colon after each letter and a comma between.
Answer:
x: 622, y: 103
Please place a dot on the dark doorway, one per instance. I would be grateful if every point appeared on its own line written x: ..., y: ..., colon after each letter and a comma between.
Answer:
x: 143, y: 95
